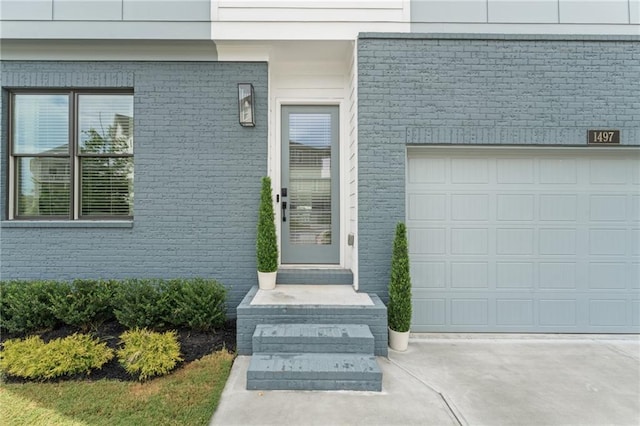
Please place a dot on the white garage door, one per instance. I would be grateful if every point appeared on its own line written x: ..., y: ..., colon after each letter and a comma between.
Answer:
x: 524, y: 239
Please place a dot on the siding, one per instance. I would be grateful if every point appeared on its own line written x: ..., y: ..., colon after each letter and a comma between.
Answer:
x: 197, y: 178
x: 525, y: 12
x: 434, y: 89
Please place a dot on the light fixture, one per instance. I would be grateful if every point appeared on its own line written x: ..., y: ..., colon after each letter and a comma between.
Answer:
x: 246, y: 105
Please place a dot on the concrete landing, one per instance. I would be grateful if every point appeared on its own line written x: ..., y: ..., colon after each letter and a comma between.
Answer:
x: 475, y: 380
x: 307, y: 294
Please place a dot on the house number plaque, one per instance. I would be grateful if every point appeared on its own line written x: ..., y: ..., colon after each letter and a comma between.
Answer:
x: 603, y: 136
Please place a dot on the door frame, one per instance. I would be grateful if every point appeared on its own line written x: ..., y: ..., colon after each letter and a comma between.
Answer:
x: 275, y: 168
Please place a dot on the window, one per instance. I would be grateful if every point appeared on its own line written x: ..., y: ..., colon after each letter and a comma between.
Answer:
x: 71, y: 155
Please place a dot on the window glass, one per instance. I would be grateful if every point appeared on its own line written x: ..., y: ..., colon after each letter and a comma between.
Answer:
x: 72, y: 155
x: 43, y: 186
x: 105, y: 124
x: 41, y: 124
x: 107, y: 186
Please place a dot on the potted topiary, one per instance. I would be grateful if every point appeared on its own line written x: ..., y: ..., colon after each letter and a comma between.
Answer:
x: 266, y: 241
x: 399, y: 307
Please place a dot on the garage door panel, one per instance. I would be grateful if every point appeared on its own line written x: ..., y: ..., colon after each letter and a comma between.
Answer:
x: 514, y: 312
x: 427, y: 207
x: 515, y: 275
x: 429, y: 312
x: 634, y: 276
x: 470, y: 207
x: 534, y: 240
x: 634, y: 242
x: 428, y: 274
x: 558, y: 171
x: 555, y: 241
x: 469, y: 241
x: 514, y: 241
x: 608, y: 208
x: 469, y: 274
x: 427, y: 170
x: 558, y: 207
x: 428, y: 240
x: 557, y: 312
x: 608, y: 312
x: 514, y: 171
x: 557, y: 275
x: 608, y: 242
x: 469, y: 170
x: 469, y: 311
x: 635, y: 312
x: 603, y: 171
x: 515, y: 207
x: 607, y: 276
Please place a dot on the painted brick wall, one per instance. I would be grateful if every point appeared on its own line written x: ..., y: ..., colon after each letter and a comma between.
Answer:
x: 462, y: 89
x: 197, y: 177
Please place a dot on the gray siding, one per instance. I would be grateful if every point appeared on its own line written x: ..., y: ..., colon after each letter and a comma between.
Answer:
x: 197, y: 178
x: 438, y: 89
x: 106, y: 19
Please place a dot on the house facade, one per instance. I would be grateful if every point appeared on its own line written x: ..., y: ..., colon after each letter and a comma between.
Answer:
x: 506, y: 134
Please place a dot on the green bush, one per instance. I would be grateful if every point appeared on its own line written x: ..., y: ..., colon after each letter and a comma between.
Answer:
x: 25, y: 306
x: 399, y: 307
x: 266, y: 240
x: 196, y: 303
x: 31, y: 358
x: 140, y: 303
x: 146, y: 353
x: 84, y: 303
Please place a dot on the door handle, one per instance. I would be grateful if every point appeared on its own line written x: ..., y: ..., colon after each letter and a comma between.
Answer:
x: 284, y: 211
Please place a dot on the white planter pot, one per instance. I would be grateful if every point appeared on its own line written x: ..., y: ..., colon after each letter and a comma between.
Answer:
x: 267, y: 280
x: 398, y: 340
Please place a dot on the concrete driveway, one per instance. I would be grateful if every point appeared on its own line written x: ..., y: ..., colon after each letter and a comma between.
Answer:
x: 470, y: 380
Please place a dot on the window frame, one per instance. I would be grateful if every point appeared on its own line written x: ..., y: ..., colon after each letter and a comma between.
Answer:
x: 73, y: 156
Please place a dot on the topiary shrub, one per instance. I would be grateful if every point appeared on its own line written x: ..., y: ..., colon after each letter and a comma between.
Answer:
x: 25, y: 306
x: 399, y: 307
x: 140, y: 303
x: 146, y: 353
x: 31, y: 358
x: 84, y: 303
x: 196, y: 303
x: 266, y: 239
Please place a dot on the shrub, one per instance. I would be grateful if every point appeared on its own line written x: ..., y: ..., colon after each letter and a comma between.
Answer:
x: 25, y: 306
x: 140, y: 303
x: 266, y: 240
x: 31, y: 358
x: 146, y: 353
x: 84, y: 303
x: 399, y: 308
x: 196, y: 303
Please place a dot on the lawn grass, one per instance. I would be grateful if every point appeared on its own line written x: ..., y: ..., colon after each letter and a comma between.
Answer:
x: 188, y: 396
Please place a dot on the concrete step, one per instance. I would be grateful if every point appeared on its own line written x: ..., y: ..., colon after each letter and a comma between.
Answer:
x: 314, y: 371
x: 313, y: 338
x: 251, y: 315
x: 314, y: 276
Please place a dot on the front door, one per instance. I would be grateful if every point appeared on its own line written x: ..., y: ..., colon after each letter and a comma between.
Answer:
x: 310, y: 185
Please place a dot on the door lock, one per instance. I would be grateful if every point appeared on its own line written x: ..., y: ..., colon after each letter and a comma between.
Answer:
x: 284, y: 211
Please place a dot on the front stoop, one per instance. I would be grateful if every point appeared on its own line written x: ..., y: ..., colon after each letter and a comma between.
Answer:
x: 313, y: 357
x: 249, y: 316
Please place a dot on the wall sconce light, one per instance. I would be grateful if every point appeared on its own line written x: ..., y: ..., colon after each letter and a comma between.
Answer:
x: 246, y: 105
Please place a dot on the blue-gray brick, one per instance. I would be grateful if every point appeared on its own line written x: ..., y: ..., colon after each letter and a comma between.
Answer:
x: 197, y: 177
x: 477, y: 89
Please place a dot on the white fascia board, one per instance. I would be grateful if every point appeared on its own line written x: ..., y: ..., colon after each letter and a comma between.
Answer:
x: 241, y: 51
x: 300, y: 30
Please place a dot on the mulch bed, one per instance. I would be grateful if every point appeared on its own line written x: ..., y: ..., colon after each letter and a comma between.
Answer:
x: 193, y: 345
